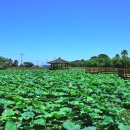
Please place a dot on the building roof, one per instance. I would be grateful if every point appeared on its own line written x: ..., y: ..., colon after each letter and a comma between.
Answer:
x: 58, y: 61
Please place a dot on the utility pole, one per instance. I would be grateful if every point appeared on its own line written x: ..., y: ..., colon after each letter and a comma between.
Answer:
x: 21, y: 58
x: 37, y: 62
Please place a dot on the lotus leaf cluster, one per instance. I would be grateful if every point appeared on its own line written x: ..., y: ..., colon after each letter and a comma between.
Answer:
x: 63, y: 100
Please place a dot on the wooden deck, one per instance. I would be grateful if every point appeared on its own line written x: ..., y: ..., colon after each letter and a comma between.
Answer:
x: 105, y: 70
x: 127, y: 75
x: 122, y: 72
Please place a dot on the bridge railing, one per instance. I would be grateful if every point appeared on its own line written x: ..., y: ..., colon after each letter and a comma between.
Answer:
x: 124, y: 72
x: 101, y: 70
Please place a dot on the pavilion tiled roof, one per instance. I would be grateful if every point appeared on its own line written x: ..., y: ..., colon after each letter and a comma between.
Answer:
x: 58, y: 61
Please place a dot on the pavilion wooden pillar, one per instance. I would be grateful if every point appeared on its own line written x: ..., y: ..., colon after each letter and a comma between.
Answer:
x: 59, y: 64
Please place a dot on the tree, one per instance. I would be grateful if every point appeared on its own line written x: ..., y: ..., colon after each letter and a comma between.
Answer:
x: 103, y: 56
x: 125, y: 58
x: 128, y: 64
x: 4, y: 62
x: 94, y: 58
x: 117, y: 56
x: 28, y: 64
x: 116, y: 61
x: 104, y: 60
x: 15, y: 63
x: 124, y: 53
x: 92, y: 63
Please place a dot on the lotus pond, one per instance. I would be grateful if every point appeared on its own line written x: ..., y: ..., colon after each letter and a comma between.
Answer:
x: 63, y: 100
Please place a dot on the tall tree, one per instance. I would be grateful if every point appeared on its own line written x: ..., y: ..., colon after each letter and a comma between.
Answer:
x: 125, y: 58
x: 124, y: 53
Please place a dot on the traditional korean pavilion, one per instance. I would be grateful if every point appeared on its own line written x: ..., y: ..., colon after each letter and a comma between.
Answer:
x: 59, y: 64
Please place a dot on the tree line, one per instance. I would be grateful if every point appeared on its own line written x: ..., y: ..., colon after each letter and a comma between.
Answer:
x: 102, y: 60
x: 5, y: 63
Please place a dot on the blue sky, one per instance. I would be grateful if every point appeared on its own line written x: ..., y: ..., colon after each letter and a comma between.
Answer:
x: 72, y: 29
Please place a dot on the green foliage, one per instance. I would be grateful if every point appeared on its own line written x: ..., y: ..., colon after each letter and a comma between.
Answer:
x: 71, y: 126
x: 116, y: 61
x: 4, y: 62
x: 103, y: 60
x: 15, y: 63
x: 62, y: 99
x: 28, y: 64
x: 89, y: 128
x: 124, y: 53
x: 7, y: 113
x: 39, y: 122
x: 123, y: 127
x: 10, y: 126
